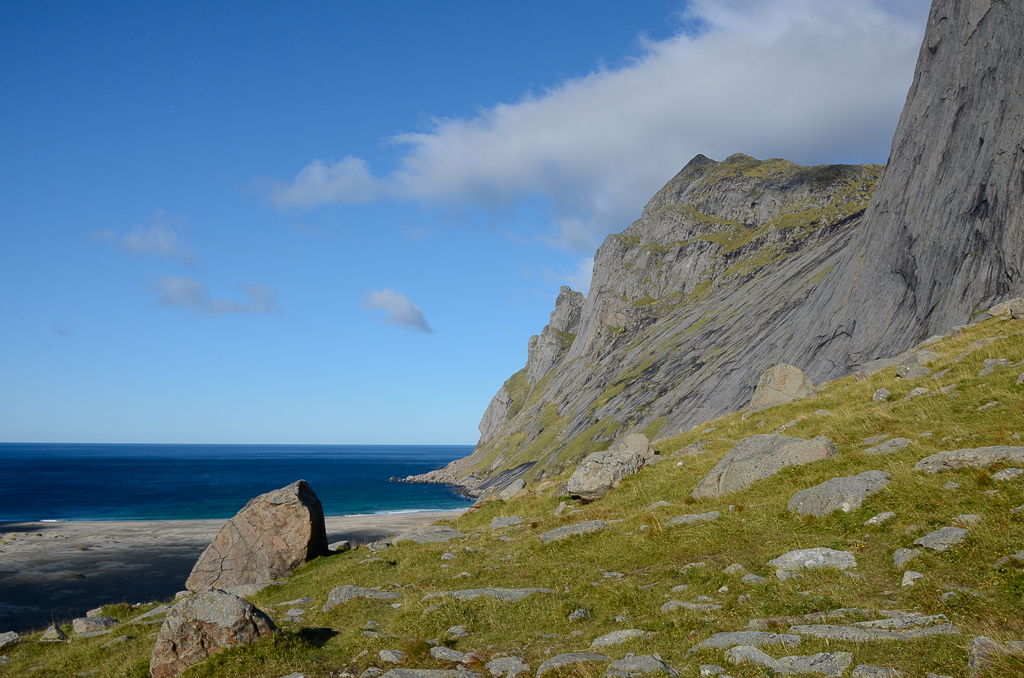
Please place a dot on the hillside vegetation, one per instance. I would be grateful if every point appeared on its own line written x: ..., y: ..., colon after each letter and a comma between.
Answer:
x: 624, y: 575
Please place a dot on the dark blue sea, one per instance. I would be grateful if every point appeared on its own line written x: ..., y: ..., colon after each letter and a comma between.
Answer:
x: 187, y: 482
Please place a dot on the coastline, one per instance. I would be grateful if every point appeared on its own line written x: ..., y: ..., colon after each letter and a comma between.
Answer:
x: 55, y: 571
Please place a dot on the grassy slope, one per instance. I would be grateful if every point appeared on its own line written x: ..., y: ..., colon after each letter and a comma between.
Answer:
x: 755, y: 527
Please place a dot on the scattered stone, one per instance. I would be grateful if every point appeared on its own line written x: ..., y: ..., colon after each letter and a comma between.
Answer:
x: 919, y: 391
x: 990, y: 365
x: 781, y: 384
x: 988, y: 406
x: 568, y: 659
x: 881, y: 395
x: 785, y: 576
x: 296, y: 674
x: 447, y: 556
x: 514, y: 488
x: 759, y: 457
x: 449, y: 655
x: 498, y: 523
x: 747, y: 654
x: 631, y: 667
x: 839, y: 494
x: 734, y: 570
x: 601, y: 472
x: 507, y: 667
x: 915, y: 365
x: 840, y: 614
x: 619, y: 637
x: 1008, y: 474
x: 910, y: 577
x: 729, y: 639
x: 880, y: 519
x: 691, y: 518
x: 807, y: 559
x: 9, y: 638
x: 158, y: 611
x: 966, y: 519
x: 889, y: 446
x: 894, y: 628
x: 506, y: 595
x: 980, y: 457
x: 657, y: 505
x: 865, y: 671
x: 901, y: 557
x: 340, y: 546
x: 680, y: 588
x: 371, y: 672
x: 52, y: 634
x: 984, y: 650
x: 271, y: 536
x: 753, y: 580
x: 691, y: 566
x: 874, y: 440
x: 343, y: 594
x: 431, y: 534
x: 827, y: 663
x: 95, y: 612
x: 116, y: 641
x: 203, y: 625
x: 578, y: 614
x: 1012, y: 307
x: 874, y: 367
x: 567, y: 531
x: 1006, y: 560
x: 950, y: 486
x: 673, y: 605
x: 391, y: 656
x: 621, y: 620
x: 93, y: 624
x: 941, y: 540
x: 711, y: 670
x: 561, y: 508
x: 456, y: 632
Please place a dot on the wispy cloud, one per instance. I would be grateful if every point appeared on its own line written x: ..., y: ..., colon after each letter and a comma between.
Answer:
x: 158, y: 239
x: 399, y: 310
x: 806, y: 80
x: 180, y: 292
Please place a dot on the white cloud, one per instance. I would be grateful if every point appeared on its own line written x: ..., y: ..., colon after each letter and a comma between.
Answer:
x: 182, y: 292
x: 399, y: 310
x: 807, y: 80
x: 158, y: 239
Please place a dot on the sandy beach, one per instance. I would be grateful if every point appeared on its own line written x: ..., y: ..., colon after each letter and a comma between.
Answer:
x: 57, y: 571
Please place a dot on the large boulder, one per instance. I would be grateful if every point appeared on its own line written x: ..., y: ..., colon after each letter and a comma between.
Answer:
x: 601, y: 472
x: 1013, y: 307
x: 781, y: 384
x: 839, y: 494
x: 271, y: 536
x: 759, y: 457
x: 203, y: 625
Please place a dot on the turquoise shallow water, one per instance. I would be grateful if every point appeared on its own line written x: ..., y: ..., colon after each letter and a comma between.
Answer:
x: 186, y: 482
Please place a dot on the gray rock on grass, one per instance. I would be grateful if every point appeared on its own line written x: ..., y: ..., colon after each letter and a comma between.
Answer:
x: 673, y: 605
x: 979, y: 457
x: 569, y: 659
x: 867, y: 671
x: 9, y: 638
x: 984, y: 652
x: 781, y: 384
x: 889, y: 446
x: 641, y: 665
x: 578, y: 614
x: 839, y: 494
x: 499, y: 522
x: 691, y: 518
x: 1007, y: 474
x: 447, y: 654
x: 203, y: 625
x: 93, y: 624
x: 391, y: 656
x: 514, y: 488
x: 831, y: 664
x: 601, y: 472
x: 619, y: 637
x: 881, y: 395
x: 507, y: 667
x: 808, y: 559
x: 567, y: 531
x: 429, y: 673
x: 431, y: 534
x: 753, y: 580
x: 759, y: 457
x: 880, y: 519
x: 747, y: 654
x: 52, y: 634
x: 343, y: 594
x: 729, y: 639
x: 901, y: 557
x: 502, y: 594
x: 942, y: 540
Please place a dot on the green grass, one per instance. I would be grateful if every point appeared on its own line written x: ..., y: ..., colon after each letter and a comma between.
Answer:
x: 755, y: 527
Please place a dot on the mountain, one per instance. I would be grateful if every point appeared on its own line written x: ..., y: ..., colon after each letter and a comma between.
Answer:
x: 738, y: 265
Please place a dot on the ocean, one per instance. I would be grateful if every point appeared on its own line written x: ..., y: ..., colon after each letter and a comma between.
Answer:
x: 187, y: 482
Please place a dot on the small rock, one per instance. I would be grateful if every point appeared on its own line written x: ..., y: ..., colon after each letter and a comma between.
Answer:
x: 831, y: 664
x: 633, y: 666
x: 93, y: 624
x: 52, y: 634
x: 865, y: 671
x: 454, y: 632
x: 988, y: 406
x: 371, y: 672
x: 839, y: 494
x: 874, y: 440
x: 941, y: 540
x: 657, y: 505
x: 880, y: 519
x: 881, y: 395
x: 9, y: 638
x: 889, y: 446
x: 391, y: 656
x: 561, y: 508
x: 507, y: 667
x: 746, y: 654
x: 691, y: 518
x: 340, y: 546
x: 966, y: 520
x: 620, y: 619
x: 950, y: 486
x: 673, y: 605
x: 729, y: 639
x: 910, y: 577
x: 561, y: 533
x: 447, y: 654
x: 498, y: 523
x: 514, y: 488
x: 578, y: 614
x: 759, y: 457
x: 569, y: 659
x: 619, y: 637
x: 785, y: 575
x: 343, y: 594
x: 1008, y: 474
x: 116, y: 641
x: 901, y: 557
x: 95, y: 612
x: 680, y: 588
x: 431, y: 534
x: 753, y: 580
x: 735, y: 570
x: 919, y: 391
x: 806, y: 559
x: 711, y: 670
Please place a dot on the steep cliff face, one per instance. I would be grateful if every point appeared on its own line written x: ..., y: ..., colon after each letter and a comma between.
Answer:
x: 736, y: 266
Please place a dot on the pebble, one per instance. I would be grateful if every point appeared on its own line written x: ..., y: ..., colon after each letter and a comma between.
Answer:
x: 910, y: 577
x: 880, y: 518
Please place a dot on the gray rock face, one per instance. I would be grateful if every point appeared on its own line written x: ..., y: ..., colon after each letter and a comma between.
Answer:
x: 343, y: 594
x: 941, y: 540
x: 809, y: 559
x: 641, y: 665
x: 691, y: 518
x: 759, y: 457
x: 1012, y: 307
x: 507, y: 666
x: 979, y: 457
x: 568, y: 659
x: 431, y: 534
x: 203, y: 625
x: 547, y: 349
x: 753, y: 638
x: 889, y: 446
x: 826, y: 663
x: 781, y: 384
x: 601, y: 472
x: 839, y: 494
x: 619, y: 637
x: 9, y: 638
x: 560, y: 533
x: 272, y: 535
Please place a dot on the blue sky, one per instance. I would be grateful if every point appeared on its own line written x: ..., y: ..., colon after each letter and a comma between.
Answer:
x: 341, y: 222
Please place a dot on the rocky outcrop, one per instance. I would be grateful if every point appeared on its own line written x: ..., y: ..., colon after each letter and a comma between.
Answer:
x: 547, y: 349
x: 601, y: 472
x: 272, y: 535
x: 203, y: 625
x: 759, y: 457
x: 781, y: 384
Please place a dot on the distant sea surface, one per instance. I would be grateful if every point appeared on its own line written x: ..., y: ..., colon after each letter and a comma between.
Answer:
x: 190, y: 482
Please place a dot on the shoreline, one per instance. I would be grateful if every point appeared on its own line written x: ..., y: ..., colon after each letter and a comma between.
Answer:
x: 55, y: 571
